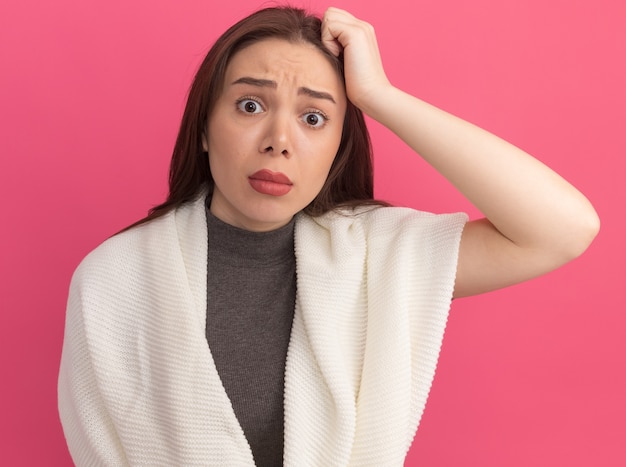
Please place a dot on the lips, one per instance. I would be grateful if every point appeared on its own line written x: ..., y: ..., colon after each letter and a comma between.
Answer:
x: 270, y: 183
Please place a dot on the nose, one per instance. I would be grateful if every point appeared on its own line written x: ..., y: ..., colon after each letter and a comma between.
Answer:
x: 278, y: 136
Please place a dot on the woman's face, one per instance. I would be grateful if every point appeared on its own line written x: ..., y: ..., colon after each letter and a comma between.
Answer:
x: 273, y: 133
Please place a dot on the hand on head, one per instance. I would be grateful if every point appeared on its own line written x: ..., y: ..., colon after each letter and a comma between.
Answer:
x: 363, y: 68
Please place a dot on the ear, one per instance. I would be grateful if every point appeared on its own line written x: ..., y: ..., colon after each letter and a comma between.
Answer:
x: 205, y: 142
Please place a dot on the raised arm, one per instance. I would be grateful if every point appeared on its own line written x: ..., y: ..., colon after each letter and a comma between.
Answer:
x: 535, y: 220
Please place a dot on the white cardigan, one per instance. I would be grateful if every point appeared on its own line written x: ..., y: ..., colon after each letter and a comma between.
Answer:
x: 138, y: 385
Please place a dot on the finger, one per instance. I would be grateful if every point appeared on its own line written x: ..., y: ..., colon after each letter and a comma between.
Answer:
x: 329, y: 39
x: 336, y: 25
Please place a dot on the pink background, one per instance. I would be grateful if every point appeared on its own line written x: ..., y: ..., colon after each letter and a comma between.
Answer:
x: 91, y: 94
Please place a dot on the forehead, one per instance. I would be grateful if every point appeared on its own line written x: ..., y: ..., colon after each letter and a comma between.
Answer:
x: 285, y: 62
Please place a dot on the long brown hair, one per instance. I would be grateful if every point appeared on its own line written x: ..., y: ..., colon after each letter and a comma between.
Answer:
x: 350, y: 180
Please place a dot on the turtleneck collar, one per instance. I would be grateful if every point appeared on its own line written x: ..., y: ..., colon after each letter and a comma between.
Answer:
x: 232, y: 245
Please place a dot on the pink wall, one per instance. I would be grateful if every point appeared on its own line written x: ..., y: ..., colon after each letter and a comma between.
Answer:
x: 90, y: 98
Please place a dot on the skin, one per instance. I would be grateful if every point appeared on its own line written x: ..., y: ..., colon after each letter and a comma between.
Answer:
x: 268, y: 117
x: 535, y: 220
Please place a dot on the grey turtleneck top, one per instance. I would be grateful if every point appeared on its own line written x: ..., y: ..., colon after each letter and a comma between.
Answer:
x: 251, y: 289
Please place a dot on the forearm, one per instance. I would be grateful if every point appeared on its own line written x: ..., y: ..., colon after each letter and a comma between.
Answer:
x: 527, y: 202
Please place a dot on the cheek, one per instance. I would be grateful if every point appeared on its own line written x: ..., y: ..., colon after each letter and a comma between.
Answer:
x: 330, y: 153
x: 222, y: 150
x: 228, y: 137
x: 319, y: 166
x: 219, y: 135
x: 322, y: 150
x: 221, y: 161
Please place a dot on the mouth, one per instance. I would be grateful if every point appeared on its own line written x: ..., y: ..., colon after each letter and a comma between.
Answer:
x: 270, y: 183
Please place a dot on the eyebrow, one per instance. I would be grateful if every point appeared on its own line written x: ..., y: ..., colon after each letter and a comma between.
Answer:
x: 316, y: 94
x: 267, y: 83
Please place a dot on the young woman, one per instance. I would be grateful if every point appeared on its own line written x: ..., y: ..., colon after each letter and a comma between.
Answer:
x: 270, y: 311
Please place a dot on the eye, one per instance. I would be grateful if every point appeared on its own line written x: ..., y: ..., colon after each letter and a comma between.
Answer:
x: 249, y: 106
x: 315, y: 119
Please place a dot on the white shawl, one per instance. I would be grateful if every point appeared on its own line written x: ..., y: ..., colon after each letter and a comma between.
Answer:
x: 138, y: 385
